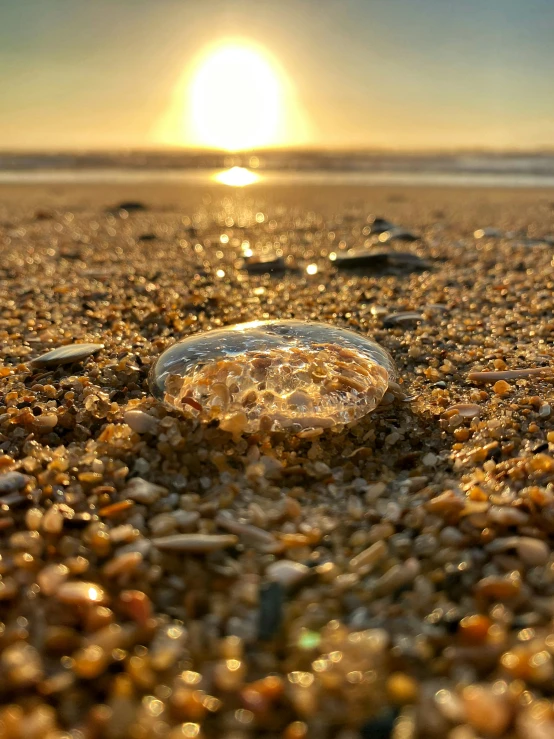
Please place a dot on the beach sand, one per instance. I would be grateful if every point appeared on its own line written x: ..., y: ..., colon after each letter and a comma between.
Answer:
x: 390, y: 578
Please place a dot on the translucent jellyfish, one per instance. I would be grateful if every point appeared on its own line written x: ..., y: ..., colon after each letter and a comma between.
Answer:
x: 274, y: 375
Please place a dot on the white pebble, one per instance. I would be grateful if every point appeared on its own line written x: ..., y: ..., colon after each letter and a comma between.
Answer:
x: 140, y: 422
x: 143, y: 491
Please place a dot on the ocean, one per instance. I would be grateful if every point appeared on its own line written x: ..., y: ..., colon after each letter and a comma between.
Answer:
x: 284, y: 167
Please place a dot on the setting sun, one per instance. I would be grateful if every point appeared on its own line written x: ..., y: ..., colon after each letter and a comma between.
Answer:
x: 236, y: 99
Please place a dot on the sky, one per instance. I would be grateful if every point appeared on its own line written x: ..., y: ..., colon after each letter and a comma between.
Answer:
x: 392, y: 74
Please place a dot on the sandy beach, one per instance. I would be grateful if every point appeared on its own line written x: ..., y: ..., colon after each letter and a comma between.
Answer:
x: 162, y: 577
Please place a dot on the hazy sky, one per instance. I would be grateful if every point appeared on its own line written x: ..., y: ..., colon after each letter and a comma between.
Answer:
x: 370, y: 73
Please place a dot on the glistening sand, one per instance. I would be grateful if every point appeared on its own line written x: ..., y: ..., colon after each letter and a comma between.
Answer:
x: 395, y: 576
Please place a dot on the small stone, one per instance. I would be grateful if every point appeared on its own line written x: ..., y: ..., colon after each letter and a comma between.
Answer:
x: 509, y: 374
x: 11, y: 482
x: 474, y: 629
x: 259, y: 265
x: 397, y: 577
x: 235, y: 424
x: 229, y: 674
x: 498, y: 588
x: 466, y: 410
x: 381, y: 726
x: 66, y: 355
x: 52, y: 521
x: 168, y: 645
x: 491, y: 233
x: 8, y: 588
x: 287, y: 573
x: 137, y: 605
x: 51, y: 577
x: 402, y: 689
x: 271, y: 610
x: 81, y: 593
x: 143, y: 491
x: 364, y: 561
x: 397, y: 234
x: 90, y: 662
x: 501, y: 387
x: 429, y: 460
x: 380, y: 262
x: 447, y: 504
x: 377, y: 224
x: 131, y: 205
x: 140, y: 422
x: 486, y: 710
x: 507, y: 516
x: 195, y: 543
x: 21, y: 664
x: 403, y: 317
x: 533, y: 552
x: 247, y: 532
x: 46, y: 422
x: 122, y: 564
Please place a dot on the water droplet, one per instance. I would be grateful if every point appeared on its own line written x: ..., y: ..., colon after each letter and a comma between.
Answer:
x: 274, y: 375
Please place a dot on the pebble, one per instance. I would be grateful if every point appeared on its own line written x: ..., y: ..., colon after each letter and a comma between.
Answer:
x: 256, y: 265
x: 137, y: 605
x: 378, y: 225
x: 403, y: 317
x: 8, y: 588
x: 380, y: 727
x: 501, y: 387
x: 140, y: 422
x: 51, y: 577
x: 21, y: 664
x: 364, y: 561
x: 466, y: 410
x: 533, y: 552
x: 397, y: 234
x: 131, y: 205
x: 490, y: 233
x: 508, y: 374
x: 486, y: 710
x: 429, y: 460
x: 122, y: 564
x: 247, y: 532
x: 270, y: 610
x: 66, y: 355
x: 11, y: 482
x: 398, y: 576
x: 287, y: 573
x: 379, y: 261
x: 498, y: 588
x: 52, y: 521
x: 81, y: 593
x: 143, y: 491
x: 195, y: 543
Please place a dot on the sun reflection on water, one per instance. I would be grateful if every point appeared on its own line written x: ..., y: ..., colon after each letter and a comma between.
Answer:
x: 236, y: 177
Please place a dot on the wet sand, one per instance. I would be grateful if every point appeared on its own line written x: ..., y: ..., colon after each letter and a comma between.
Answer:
x: 162, y: 577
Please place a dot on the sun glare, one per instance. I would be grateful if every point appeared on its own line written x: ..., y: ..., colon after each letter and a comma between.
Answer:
x: 236, y: 177
x: 236, y: 99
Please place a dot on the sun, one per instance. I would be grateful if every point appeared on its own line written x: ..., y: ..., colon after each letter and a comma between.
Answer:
x: 236, y: 99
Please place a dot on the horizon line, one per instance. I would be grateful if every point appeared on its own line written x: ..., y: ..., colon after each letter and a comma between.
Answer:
x: 321, y: 150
